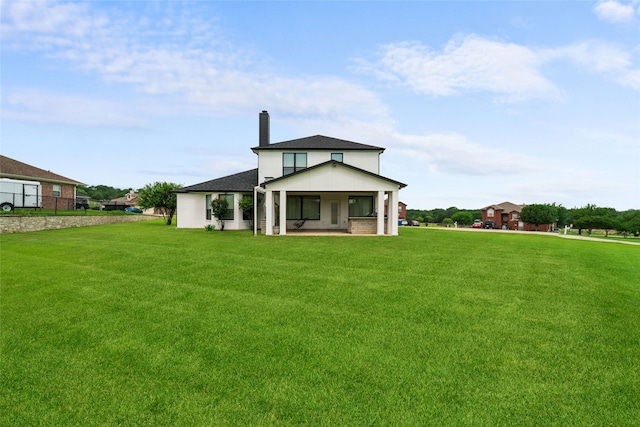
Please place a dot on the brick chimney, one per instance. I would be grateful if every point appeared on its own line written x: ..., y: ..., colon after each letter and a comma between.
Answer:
x: 264, y: 135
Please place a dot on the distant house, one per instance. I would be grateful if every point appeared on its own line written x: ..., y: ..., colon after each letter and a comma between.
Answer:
x: 507, y: 216
x: 402, y: 210
x: 58, y: 192
x: 129, y: 200
x: 313, y: 183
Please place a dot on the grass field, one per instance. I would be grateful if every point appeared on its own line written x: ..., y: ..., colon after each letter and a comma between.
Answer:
x: 144, y: 324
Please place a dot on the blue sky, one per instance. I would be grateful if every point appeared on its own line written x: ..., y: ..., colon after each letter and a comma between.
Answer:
x: 475, y: 102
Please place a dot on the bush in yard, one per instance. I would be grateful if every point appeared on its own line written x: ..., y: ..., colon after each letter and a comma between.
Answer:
x: 219, y: 208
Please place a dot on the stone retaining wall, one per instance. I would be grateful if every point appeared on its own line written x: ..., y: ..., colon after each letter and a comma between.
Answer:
x: 23, y: 224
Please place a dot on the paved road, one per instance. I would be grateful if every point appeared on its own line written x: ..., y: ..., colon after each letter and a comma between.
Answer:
x: 564, y: 236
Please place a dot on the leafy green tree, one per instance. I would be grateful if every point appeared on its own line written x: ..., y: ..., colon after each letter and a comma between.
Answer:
x: 413, y: 214
x: 219, y: 208
x: 605, y: 219
x: 476, y: 214
x: 538, y: 214
x: 628, y: 223
x: 591, y: 216
x: 580, y: 217
x: 451, y: 211
x: 102, y: 192
x: 160, y: 196
x: 447, y: 221
x: 463, y: 218
x: 439, y: 215
x: 563, y: 215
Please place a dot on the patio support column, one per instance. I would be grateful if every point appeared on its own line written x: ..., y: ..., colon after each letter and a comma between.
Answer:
x: 380, y: 222
x: 283, y: 212
x: 392, y: 202
x: 268, y: 207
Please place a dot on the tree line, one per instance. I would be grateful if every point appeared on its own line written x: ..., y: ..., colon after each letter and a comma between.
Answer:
x: 102, y: 192
x: 587, y: 218
x: 445, y: 216
x: 160, y: 195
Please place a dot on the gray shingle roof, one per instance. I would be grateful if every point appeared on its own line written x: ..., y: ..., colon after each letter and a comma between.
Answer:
x: 239, y: 182
x: 506, y: 207
x: 318, y: 142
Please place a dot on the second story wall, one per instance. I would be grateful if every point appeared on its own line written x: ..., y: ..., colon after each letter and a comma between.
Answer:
x: 270, y: 164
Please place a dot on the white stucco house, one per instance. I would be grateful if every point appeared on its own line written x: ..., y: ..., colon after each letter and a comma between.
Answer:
x: 312, y: 183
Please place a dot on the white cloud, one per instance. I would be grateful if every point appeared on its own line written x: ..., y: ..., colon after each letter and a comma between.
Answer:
x: 455, y: 154
x: 441, y: 153
x: 511, y: 71
x: 602, y: 58
x: 469, y: 63
x: 210, y: 76
x: 615, y: 12
x: 45, y: 107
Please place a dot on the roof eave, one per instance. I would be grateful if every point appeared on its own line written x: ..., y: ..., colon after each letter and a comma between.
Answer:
x: 36, y: 178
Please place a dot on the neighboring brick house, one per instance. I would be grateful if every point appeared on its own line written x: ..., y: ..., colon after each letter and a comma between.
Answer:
x: 507, y: 215
x: 58, y: 192
x: 402, y: 210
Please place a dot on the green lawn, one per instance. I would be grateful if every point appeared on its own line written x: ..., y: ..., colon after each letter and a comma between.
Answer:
x: 144, y: 324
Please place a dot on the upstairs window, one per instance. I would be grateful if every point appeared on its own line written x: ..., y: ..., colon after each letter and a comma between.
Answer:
x: 490, y: 213
x: 293, y: 162
x: 336, y: 156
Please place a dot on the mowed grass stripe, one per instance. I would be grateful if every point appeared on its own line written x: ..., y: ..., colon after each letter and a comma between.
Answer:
x: 146, y: 324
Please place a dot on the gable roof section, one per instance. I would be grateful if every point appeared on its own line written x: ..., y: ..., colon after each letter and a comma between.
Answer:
x: 239, y: 182
x: 10, y: 168
x: 335, y: 163
x: 318, y: 142
x: 506, y: 207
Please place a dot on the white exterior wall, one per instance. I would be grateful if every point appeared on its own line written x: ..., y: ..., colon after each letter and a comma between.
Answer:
x: 329, y: 178
x: 192, y: 212
x: 270, y: 162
